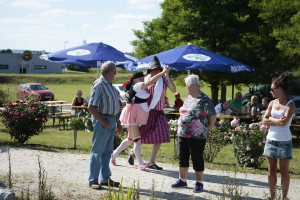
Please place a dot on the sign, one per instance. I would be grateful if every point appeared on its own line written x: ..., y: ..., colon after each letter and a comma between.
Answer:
x: 26, y: 55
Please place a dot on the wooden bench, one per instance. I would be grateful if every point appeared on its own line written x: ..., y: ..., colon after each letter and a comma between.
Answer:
x: 64, y: 120
x: 296, y: 128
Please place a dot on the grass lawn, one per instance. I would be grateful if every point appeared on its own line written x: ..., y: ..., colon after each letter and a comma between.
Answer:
x: 63, y: 141
x: 65, y: 85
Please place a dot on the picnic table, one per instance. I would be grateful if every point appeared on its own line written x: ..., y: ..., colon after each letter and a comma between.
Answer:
x: 53, y: 105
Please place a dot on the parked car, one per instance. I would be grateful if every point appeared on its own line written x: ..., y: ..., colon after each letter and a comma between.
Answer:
x: 296, y: 99
x: 38, y: 89
x: 121, y: 91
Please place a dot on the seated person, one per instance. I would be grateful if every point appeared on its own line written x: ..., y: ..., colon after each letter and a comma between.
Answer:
x: 253, y: 103
x: 236, y: 103
x: 78, y: 101
x: 264, y: 105
x: 223, y: 108
x: 178, y: 102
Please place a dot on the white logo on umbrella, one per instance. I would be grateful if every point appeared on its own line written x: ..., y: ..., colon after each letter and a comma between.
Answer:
x: 78, y: 52
x: 239, y: 68
x: 196, y: 57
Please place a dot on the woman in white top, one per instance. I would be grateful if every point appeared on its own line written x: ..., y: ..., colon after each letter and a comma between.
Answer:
x: 135, y: 114
x: 278, y: 145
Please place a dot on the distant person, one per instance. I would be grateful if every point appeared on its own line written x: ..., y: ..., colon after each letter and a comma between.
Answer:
x: 264, y: 105
x: 223, y: 108
x: 79, y: 101
x: 253, y: 104
x: 236, y: 103
x: 197, y: 116
x: 178, y: 102
x: 278, y: 146
x: 104, y: 105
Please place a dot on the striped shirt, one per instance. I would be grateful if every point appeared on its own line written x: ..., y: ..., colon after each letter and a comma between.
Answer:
x: 105, y: 97
x: 161, y: 103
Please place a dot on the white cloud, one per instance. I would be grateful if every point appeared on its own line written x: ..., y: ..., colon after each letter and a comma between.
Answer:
x: 142, y: 4
x: 55, y: 13
x: 33, y: 4
x: 1, y: 1
x: 85, y: 25
x: 133, y: 17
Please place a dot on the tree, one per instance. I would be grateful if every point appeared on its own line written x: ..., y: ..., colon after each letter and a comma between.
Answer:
x: 234, y: 29
x: 6, y: 51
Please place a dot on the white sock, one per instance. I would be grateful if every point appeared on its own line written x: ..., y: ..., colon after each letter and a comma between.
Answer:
x: 137, y: 152
x: 184, y: 180
x: 124, y: 144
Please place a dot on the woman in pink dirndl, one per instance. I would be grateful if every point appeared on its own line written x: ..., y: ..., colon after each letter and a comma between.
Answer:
x: 135, y: 114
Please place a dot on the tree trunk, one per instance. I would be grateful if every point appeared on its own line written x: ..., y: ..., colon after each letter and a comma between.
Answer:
x: 214, y: 92
x: 223, y: 93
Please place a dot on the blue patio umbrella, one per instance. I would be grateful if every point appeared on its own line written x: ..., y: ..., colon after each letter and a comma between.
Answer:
x: 191, y: 57
x: 92, y: 54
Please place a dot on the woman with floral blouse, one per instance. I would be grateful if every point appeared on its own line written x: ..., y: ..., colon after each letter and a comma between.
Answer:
x: 197, y: 116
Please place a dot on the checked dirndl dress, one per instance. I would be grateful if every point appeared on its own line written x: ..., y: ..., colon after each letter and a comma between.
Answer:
x: 156, y: 130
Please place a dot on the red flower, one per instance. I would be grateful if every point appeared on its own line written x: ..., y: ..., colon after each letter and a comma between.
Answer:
x: 202, y: 114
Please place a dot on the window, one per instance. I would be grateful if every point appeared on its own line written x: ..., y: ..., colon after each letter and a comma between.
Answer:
x: 3, y: 66
x: 40, y: 67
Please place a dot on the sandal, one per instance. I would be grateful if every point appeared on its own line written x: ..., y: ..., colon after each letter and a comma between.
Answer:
x: 130, y: 158
x: 144, y: 166
x: 154, y: 166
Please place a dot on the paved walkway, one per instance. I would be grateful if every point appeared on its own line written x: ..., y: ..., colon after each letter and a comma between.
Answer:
x: 67, y: 174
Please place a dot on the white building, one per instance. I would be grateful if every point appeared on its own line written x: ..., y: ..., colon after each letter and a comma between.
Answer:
x: 14, y: 63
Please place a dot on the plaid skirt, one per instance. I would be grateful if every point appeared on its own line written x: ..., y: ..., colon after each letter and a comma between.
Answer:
x: 156, y: 130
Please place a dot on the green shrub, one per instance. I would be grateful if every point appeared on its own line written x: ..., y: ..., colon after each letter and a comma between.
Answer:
x: 218, y: 138
x: 77, y: 123
x: 248, y: 143
x: 24, y: 119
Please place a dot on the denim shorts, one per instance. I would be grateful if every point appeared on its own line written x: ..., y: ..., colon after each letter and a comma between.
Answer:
x: 278, y: 149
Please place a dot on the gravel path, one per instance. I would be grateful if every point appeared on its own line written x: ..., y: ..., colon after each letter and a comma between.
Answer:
x: 67, y: 174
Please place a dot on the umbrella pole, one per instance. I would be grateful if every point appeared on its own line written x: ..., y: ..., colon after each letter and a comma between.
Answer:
x: 99, y: 64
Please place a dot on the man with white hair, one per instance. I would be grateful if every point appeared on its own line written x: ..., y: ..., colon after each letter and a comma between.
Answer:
x: 104, y: 106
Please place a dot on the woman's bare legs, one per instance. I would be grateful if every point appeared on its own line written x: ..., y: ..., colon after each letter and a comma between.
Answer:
x: 272, y: 178
x: 285, y: 177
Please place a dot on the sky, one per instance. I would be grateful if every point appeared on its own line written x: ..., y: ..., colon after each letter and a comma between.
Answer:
x: 53, y: 25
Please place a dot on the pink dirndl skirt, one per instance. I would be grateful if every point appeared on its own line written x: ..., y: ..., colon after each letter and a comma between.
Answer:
x: 133, y: 114
x: 156, y: 130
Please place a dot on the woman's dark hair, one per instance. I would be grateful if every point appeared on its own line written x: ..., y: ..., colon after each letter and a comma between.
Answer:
x: 137, y: 74
x: 282, y: 81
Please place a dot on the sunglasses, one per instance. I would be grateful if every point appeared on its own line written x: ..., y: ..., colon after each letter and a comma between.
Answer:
x: 272, y: 89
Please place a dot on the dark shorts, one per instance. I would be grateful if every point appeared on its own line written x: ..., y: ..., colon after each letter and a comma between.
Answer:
x: 279, y: 149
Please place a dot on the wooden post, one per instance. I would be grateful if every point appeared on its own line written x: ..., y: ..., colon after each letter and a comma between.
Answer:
x: 75, y: 138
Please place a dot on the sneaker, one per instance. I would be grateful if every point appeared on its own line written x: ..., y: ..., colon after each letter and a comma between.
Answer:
x: 154, y: 166
x: 111, y: 183
x: 113, y: 161
x: 179, y: 183
x: 131, y: 158
x: 198, y: 187
x: 95, y: 186
x: 144, y: 166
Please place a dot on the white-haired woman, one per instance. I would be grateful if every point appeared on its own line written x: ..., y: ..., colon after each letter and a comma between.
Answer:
x: 78, y: 101
x: 197, y: 116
